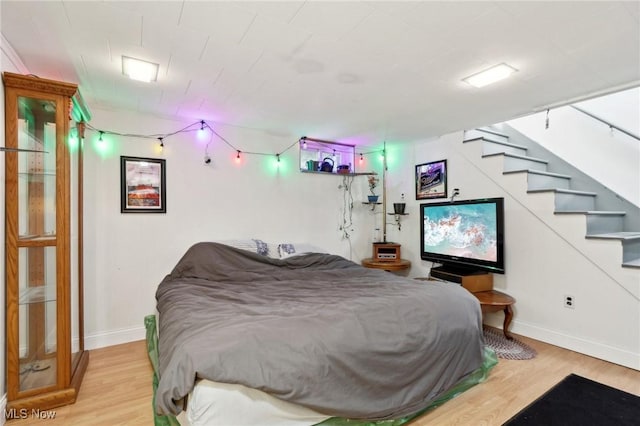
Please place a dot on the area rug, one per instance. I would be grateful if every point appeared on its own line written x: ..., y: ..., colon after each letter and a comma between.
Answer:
x: 577, y: 401
x: 505, y: 348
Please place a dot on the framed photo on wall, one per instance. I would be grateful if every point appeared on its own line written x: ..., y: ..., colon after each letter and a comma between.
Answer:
x: 431, y: 180
x: 142, y: 185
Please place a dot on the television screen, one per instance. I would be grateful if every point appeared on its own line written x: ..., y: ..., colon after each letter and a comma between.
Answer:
x: 465, y: 234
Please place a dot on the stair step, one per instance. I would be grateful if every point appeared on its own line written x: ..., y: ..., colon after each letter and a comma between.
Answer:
x: 569, y: 199
x: 564, y: 191
x: 538, y: 172
x: 520, y: 162
x: 491, y: 131
x: 593, y: 212
x: 605, y: 223
x: 541, y: 180
x: 635, y: 263
x: 487, y: 139
x: 490, y: 146
x: 625, y: 236
x: 490, y: 134
x: 521, y: 157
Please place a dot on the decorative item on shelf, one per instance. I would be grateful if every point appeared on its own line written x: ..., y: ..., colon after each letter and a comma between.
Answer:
x: 344, y: 169
x: 312, y: 166
x: 398, y: 208
x: 327, y: 165
x: 373, y: 183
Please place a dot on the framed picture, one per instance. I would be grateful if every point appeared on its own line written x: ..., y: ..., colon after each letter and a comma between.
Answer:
x: 142, y: 185
x: 431, y: 180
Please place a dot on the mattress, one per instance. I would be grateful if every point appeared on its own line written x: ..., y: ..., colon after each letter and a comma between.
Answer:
x: 211, y: 403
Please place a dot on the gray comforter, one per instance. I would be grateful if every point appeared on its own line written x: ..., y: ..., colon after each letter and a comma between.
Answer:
x: 316, y: 330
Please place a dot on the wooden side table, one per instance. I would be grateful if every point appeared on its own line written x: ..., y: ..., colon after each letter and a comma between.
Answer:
x: 399, y: 265
x: 494, y: 301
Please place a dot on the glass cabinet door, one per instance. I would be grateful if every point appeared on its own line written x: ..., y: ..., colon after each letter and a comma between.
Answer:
x: 74, y: 144
x: 37, y: 265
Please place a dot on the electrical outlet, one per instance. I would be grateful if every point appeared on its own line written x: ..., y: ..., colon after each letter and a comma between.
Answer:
x: 569, y: 302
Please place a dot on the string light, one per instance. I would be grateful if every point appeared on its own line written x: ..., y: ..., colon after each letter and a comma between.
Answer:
x: 304, y: 142
x: 199, y: 127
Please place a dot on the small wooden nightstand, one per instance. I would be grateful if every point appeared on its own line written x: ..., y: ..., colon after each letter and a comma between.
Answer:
x: 494, y: 301
x: 399, y: 265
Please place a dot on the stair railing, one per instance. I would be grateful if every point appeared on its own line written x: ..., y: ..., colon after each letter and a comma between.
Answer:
x: 602, y: 120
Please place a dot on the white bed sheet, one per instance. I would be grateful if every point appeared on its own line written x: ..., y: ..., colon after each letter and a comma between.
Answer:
x: 222, y: 404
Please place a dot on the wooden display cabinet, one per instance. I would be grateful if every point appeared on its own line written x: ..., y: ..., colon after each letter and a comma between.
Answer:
x: 46, y: 359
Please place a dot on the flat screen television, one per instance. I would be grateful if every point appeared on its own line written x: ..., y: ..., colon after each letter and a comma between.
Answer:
x: 464, y: 236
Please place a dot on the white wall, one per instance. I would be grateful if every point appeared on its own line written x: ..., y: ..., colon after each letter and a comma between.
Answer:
x: 127, y: 255
x: 611, y: 157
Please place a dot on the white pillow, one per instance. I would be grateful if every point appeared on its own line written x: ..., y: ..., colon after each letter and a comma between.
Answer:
x: 296, y: 249
x: 254, y: 245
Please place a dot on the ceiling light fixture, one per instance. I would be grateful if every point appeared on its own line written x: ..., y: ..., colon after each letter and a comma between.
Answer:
x: 490, y: 75
x: 137, y: 69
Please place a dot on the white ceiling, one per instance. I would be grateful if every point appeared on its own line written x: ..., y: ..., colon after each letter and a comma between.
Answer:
x: 347, y: 71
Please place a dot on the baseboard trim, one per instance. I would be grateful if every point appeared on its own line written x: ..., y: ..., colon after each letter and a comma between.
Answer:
x: 116, y: 337
x: 3, y: 407
x: 586, y: 347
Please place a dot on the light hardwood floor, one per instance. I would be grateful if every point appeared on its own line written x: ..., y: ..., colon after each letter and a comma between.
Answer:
x: 117, y: 388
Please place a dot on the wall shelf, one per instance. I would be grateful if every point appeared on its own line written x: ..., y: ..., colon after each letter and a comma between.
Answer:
x: 397, y: 219
x: 317, y: 172
x: 372, y: 205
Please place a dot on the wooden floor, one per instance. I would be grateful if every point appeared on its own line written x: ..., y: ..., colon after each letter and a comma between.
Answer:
x: 117, y: 388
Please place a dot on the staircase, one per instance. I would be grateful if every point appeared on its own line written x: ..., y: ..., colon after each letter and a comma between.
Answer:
x: 600, y: 224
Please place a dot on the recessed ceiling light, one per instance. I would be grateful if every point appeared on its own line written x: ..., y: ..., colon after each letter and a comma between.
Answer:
x: 490, y: 75
x: 137, y: 69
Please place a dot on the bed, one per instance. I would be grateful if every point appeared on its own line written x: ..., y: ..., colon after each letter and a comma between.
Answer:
x: 313, y: 337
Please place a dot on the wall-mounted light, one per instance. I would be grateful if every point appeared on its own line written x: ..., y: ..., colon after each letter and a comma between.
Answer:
x: 137, y: 69
x: 490, y: 75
